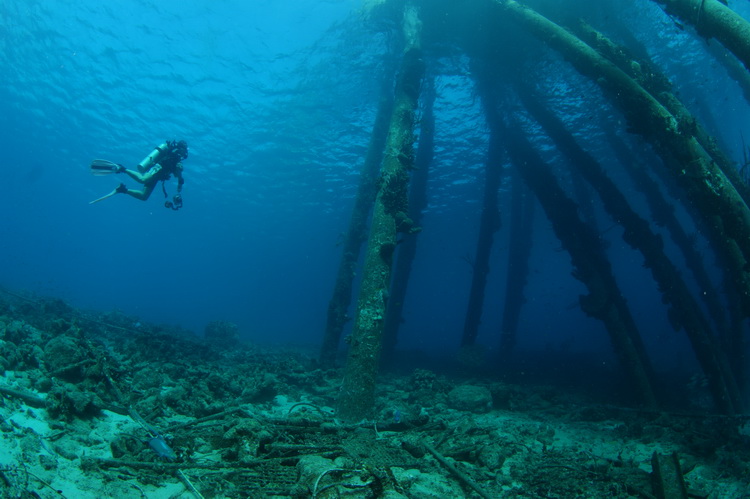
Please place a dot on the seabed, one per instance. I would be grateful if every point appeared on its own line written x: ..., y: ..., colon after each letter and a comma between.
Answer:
x: 83, y: 395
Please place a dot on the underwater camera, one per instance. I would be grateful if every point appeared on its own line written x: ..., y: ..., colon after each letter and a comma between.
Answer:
x: 175, y: 204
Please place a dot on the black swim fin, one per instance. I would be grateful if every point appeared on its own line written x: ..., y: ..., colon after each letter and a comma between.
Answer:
x: 104, y: 167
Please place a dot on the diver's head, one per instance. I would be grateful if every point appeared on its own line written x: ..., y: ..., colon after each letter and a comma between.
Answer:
x: 179, y: 148
x: 182, y: 149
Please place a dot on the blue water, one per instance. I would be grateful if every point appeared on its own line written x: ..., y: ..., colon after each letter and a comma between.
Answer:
x: 277, y: 100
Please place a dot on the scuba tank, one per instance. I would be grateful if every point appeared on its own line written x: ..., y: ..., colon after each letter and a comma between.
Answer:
x: 152, y: 158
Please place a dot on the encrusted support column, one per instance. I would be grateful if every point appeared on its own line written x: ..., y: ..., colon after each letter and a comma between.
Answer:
x: 667, y: 477
x: 357, y: 232
x: 684, y: 310
x: 407, y: 249
x: 604, y: 301
x: 737, y: 275
x: 658, y: 85
x: 357, y: 396
x: 705, y: 186
x: 714, y: 19
x: 663, y: 214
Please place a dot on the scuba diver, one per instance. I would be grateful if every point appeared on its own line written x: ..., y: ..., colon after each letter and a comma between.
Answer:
x: 163, y: 162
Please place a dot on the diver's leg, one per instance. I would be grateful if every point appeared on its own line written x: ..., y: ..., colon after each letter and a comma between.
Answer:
x: 137, y: 176
x: 142, y: 194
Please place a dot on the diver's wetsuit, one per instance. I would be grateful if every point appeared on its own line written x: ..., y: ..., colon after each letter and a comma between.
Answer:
x: 168, y: 164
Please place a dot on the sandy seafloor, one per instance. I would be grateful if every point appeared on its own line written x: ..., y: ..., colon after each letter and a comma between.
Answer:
x: 85, y: 394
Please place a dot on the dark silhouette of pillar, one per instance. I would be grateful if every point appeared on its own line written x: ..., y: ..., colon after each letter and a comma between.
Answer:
x: 519, y: 252
x: 357, y: 396
x: 489, y: 223
x: 521, y: 217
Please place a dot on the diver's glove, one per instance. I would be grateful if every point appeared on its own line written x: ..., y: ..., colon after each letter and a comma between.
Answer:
x: 119, y: 168
x: 121, y: 189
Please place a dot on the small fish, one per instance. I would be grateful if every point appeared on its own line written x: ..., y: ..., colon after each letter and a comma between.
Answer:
x: 396, y: 416
x: 159, y: 445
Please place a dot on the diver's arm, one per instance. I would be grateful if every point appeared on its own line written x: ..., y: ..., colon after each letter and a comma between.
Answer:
x: 180, y: 180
